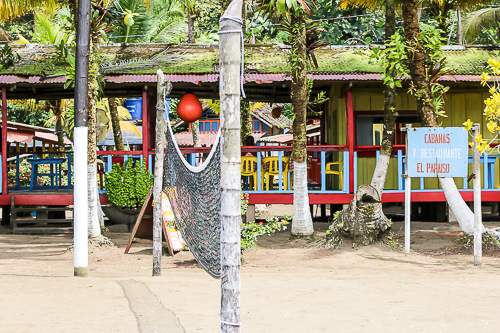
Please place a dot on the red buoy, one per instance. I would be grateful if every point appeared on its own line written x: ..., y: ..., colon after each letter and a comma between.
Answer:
x: 189, y: 108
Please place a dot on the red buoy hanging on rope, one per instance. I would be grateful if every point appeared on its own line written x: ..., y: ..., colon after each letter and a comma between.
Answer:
x: 189, y: 108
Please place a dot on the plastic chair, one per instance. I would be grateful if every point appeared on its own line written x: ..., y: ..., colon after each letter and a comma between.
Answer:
x: 271, y: 169
x: 249, y: 168
x: 329, y: 171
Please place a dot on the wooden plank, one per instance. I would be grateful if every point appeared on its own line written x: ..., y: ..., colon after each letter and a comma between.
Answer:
x: 139, y: 219
x: 43, y: 209
x: 4, y: 141
x: 145, y: 126
x: 42, y: 222
x: 44, y: 231
x: 350, y: 138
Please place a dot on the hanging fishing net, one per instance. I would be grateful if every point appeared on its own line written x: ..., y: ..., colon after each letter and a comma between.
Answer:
x: 194, y: 194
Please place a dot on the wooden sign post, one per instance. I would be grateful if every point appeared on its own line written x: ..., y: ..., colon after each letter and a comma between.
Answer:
x: 433, y: 152
x: 476, y: 183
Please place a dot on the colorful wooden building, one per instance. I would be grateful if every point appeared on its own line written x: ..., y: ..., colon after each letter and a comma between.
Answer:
x: 345, y: 149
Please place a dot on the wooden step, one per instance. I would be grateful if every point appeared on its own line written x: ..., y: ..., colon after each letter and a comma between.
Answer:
x: 46, y: 230
x: 39, y: 225
x: 39, y: 209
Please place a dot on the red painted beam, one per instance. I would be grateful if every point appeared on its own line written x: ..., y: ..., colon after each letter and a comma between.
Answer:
x: 350, y: 137
x: 45, y: 199
x: 4, y: 141
x: 316, y: 199
x: 117, y: 152
x: 145, y: 125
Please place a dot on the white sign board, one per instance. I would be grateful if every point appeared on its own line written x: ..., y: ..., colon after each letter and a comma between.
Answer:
x: 437, y: 152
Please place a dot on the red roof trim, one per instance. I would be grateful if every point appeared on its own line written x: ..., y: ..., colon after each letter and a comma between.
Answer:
x: 203, y: 78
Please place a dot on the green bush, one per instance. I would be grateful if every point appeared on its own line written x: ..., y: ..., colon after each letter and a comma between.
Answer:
x: 127, y: 186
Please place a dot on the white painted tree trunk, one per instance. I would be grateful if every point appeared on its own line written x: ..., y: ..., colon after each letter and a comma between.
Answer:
x: 302, y: 224
x: 81, y: 261
x: 94, y: 225
x: 380, y: 173
x: 230, y: 236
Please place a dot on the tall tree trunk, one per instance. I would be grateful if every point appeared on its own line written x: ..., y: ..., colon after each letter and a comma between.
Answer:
x: 380, y: 173
x: 60, y: 130
x: 426, y: 110
x: 230, y: 235
x: 80, y: 200
x: 246, y: 121
x: 190, y: 33
x: 459, y: 25
x: 93, y: 195
x: 115, y: 124
x: 302, y: 224
x: 195, y: 128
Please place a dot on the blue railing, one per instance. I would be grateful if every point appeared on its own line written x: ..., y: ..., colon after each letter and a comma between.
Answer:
x: 488, y: 173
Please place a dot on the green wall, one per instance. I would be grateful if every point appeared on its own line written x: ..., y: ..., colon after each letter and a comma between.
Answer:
x: 460, y: 105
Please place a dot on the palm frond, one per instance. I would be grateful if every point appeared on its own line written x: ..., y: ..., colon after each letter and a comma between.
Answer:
x: 212, y: 105
x: 123, y: 113
x: 478, y: 20
x: 128, y: 126
x: 10, y: 9
x: 371, y: 4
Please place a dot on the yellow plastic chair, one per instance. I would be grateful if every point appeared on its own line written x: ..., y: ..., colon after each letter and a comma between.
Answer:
x: 329, y: 171
x: 271, y: 169
x: 249, y: 169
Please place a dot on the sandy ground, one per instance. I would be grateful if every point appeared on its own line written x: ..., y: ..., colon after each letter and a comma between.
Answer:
x: 285, y: 287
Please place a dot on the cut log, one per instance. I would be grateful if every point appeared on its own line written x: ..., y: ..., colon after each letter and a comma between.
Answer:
x: 362, y: 223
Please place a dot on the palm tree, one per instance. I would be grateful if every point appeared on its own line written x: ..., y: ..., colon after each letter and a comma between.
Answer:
x: 479, y: 20
x: 293, y: 14
x: 423, y: 96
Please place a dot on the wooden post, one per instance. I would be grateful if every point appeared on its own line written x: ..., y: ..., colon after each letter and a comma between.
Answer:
x: 81, y: 200
x: 350, y: 138
x: 145, y: 128
x: 230, y: 238
x: 476, y: 182
x: 163, y: 90
x: 407, y: 199
x: 4, y: 140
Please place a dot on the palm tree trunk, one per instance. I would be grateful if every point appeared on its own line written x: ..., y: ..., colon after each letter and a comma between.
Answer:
x: 302, y: 222
x: 115, y: 123
x: 195, y: 128
x: 93, y: 195
x: 230, y: 161
x: 246, y: 121
x: 380, y: 173
x: 426, y: 109
x: 190, y: 34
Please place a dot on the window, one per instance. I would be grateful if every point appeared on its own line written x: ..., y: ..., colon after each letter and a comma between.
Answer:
x: 370, y: 127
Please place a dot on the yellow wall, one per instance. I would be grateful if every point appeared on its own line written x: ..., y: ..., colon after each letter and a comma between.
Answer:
x: 460, y: 105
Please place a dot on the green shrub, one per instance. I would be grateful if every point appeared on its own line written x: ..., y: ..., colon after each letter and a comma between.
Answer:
x: 127, y: 186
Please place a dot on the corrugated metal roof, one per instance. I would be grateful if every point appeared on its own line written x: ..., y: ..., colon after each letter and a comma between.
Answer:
x: 264, y: 114
x: 13, y: 79
x: 207, y: 139
x: 202, y: 78
x: 280, y: 138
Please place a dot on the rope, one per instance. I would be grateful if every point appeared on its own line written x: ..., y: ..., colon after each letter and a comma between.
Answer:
x: 228, y: 323
x: 239, y: 21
